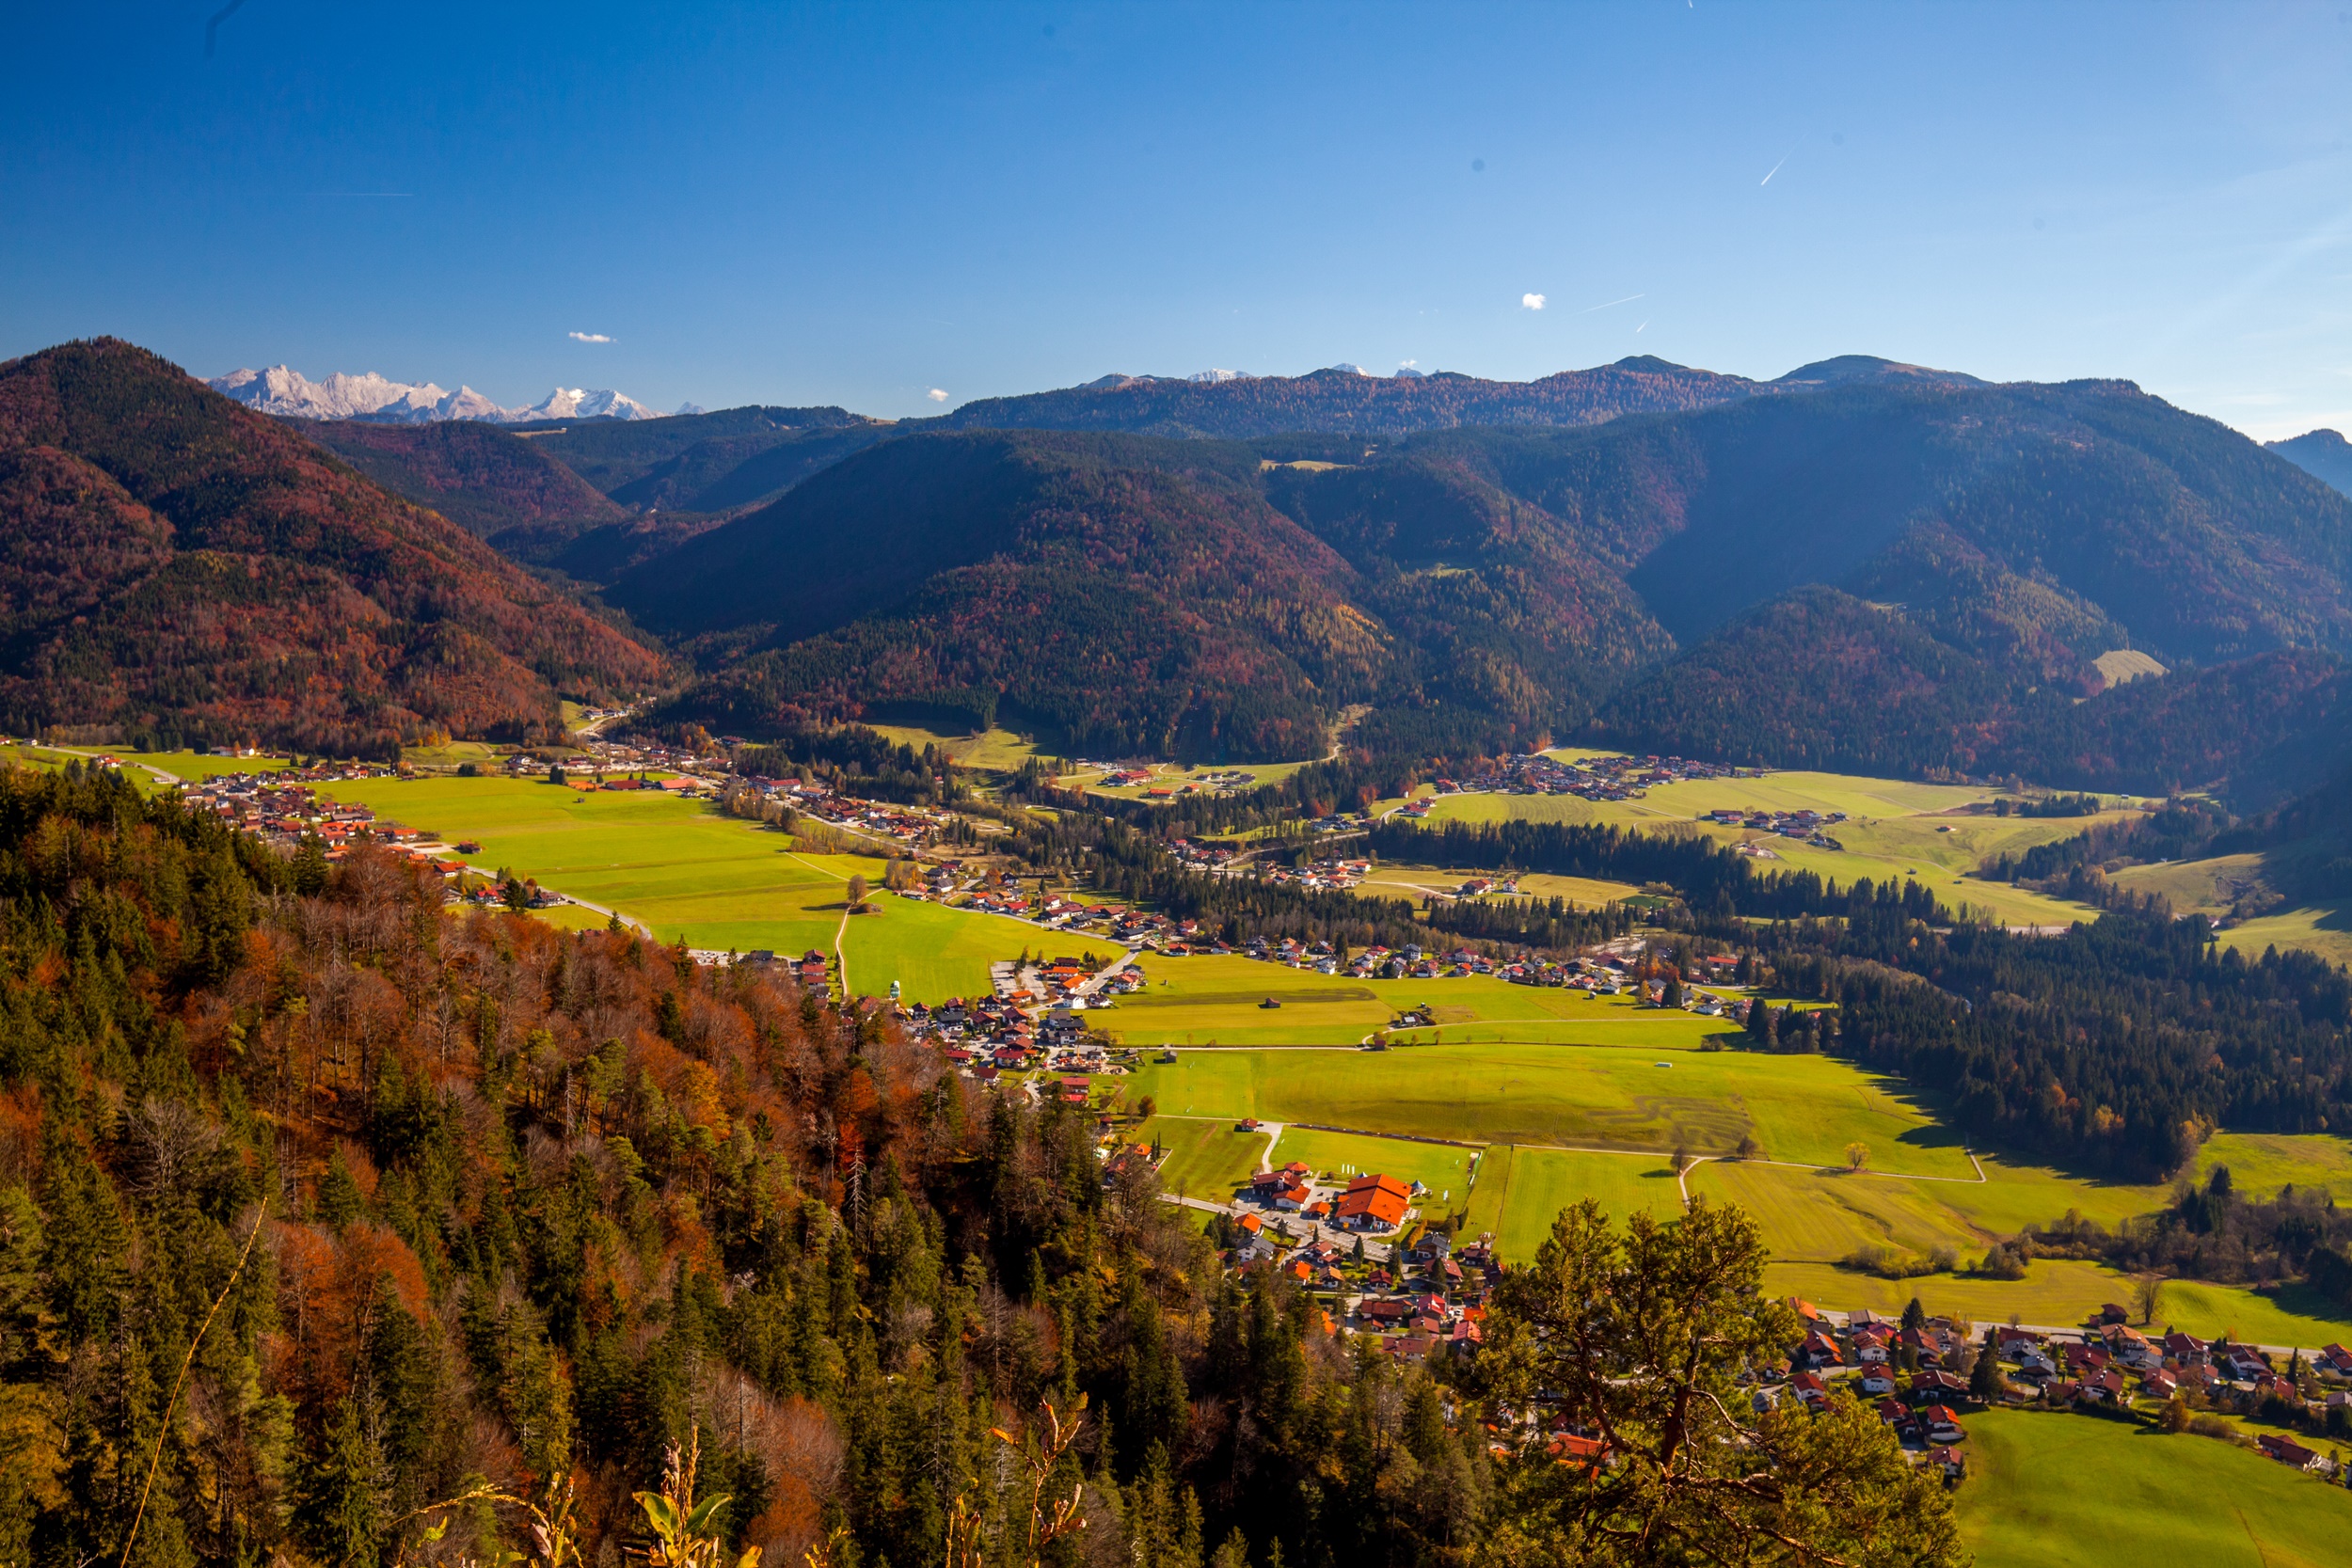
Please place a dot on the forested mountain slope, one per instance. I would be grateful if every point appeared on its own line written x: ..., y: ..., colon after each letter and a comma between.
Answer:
x: 1890, y: 571
x: 2323, y: 453
x: 484, y: 479
x: 178, y: 563
x: 1123, y: 594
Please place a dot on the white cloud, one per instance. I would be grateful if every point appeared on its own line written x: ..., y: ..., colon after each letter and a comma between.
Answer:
x: 936, y: 395
x: 590, y: 338
x: 1531, y: 302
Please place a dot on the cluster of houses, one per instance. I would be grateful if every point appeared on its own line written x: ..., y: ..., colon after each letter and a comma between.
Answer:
x: 1810, y: 826
x: 984, y: 1038
x: 1371, y: 1204
x: 1329, y: 874
x: 905, y: 826
x: 1425, y: 1297
x: 1159, y: 786
x: 1915, y: 1374
x: 281, y: 811
x: 1605, y: 778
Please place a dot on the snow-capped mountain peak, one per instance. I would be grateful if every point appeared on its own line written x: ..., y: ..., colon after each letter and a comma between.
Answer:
x: 577, y: 403
x: 374, y: 398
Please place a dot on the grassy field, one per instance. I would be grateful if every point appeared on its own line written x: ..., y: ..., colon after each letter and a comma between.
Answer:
x: 1584, y: 892
x: 1521, y: 1191
x: 1197, y: 1001
x: 933, y: 953
x: 1802, y: 1108
x: 2060, y: 1491
x: 192, y: 768
x: 2321, y: 928
x: 1895, y: 829
x: 1175, y: 776
x: 678, y: 866
x: 1398, y: 880
x: 999, y: 751
x: 1207, y: 1156
x: 2196, y: 887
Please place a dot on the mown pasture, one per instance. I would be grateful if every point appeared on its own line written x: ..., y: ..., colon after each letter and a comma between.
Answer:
x: 1918, y: 1192
x: 1219, y: 999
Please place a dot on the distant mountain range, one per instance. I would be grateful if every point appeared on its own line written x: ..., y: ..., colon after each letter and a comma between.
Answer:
x: 1862, y: 564
x: 1864, y: 567
x: 376, y: 399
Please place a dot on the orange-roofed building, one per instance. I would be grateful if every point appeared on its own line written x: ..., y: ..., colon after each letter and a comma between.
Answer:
x: 1374, y: 1203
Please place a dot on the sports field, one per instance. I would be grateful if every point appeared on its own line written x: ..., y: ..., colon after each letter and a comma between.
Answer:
x: 2049, y: 1490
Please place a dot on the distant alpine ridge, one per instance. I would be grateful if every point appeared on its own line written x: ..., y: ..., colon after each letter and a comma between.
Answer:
x: 380, y: 401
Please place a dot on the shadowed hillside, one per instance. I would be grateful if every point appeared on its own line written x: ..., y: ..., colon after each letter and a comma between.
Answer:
x: 179, y: 564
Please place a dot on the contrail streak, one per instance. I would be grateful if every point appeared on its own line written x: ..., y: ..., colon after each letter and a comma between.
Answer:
x: 1767, y: 179
x: 1626, y: 300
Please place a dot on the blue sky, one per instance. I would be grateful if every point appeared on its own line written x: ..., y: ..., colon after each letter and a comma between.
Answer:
x: 860, y: 205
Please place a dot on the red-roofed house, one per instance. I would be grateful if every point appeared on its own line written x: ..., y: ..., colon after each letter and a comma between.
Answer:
x: 1374, y: 1203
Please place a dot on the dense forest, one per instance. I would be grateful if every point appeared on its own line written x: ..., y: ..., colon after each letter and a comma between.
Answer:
x: 484, y: 479
x: 2113, y: 1048
x: 1347, y: 400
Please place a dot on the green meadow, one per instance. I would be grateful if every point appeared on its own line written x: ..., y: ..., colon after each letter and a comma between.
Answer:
x: 1800, y: 1108
x: 1220, y: 1000
x: 933, y: 953
x: 1521, y: 1191
x: 2048, y: 1489
x: 1895, y: 829
x: 1206, y: 1156
x: 696, y: 876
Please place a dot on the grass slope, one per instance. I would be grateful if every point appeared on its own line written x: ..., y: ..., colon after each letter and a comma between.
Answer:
x: 681, y: 868
x: 2081, y: 1492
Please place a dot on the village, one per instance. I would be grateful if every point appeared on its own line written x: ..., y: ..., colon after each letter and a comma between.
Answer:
x: 1359, y: 1246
